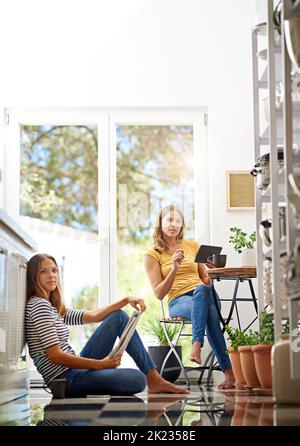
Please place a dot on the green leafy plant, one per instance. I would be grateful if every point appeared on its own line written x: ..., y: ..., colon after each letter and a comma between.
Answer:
x: 267, y: 332
x: 264, y: 336
x: 238, y: 337
x: 153, y: 327
x: 277, y: 17
x: 241, y: 239
x: 286, y: 327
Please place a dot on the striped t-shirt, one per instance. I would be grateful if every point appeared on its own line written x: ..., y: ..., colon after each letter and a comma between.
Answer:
x: 45, y: 328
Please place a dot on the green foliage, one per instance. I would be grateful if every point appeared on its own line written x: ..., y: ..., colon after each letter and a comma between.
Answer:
x: 267, y: 330
x: 241, y: 240
x: 87, y: 299
x: 155, y: 329
x: 238, y: 337
x: 266, y: 333
x: 59, y: 174
x: 277, y: 16
x: 286, y: 327
x: 152, y: 162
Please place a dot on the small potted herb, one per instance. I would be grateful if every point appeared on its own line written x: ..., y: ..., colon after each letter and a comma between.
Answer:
x: 262, y: 352
x: 241, y: 356
x: 247, y: 359
x: 243, y: 243
x: 236, y: 338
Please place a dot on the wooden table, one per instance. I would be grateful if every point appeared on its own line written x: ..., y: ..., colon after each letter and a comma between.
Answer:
x: 238, y: 275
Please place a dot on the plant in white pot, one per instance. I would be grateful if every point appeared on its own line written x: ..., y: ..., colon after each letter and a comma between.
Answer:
x: 243, y: 243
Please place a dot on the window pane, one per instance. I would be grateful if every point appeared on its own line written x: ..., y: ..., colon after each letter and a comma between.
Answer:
x: 154, y: 169
x: 58, y: 204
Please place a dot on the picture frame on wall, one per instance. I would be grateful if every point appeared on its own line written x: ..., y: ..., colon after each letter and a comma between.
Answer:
x: 240, y: 190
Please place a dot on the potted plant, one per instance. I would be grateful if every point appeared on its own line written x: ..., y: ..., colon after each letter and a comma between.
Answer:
x: 153, y: 327
x: 262, y: 351
x: 244, y: 243
x: 247, y: 359
x: 236, y: 338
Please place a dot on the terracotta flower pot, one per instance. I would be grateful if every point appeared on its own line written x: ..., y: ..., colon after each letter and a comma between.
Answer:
x: 266, y: 415
x: 252, y: 412
x: 262, y: 359
x: 248, y: 366
x: 237, y: 369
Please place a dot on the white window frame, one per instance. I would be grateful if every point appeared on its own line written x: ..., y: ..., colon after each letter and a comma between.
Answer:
x: 195, y: 117
x: 106, y: 119
x: 44, y: 116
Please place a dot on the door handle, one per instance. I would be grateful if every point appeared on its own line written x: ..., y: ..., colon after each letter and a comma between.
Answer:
x: 103, y: 241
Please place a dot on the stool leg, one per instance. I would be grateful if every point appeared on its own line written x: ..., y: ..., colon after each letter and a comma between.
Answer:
x: 204, y: 367
x: 172, y: 349
x: 210, y: 370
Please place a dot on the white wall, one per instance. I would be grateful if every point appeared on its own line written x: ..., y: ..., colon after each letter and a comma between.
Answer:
x: 141, y: 53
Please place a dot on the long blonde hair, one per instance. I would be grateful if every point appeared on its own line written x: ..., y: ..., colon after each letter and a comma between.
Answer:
x: 158, y: 236
x: 34, y: 287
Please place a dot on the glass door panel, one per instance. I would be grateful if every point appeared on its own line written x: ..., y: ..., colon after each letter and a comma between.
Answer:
x: 59, y: 206
x: 154, y: 169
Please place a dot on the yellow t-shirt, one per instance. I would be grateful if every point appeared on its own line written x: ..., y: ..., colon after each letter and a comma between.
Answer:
x: 187, y: 277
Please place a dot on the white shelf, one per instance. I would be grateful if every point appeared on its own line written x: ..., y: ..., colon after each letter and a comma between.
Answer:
x: 265, y: 141
x: 263, y: 79
x: 266, y: 75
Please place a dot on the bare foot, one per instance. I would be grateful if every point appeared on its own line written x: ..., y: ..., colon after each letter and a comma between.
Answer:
x: 156, y: 384
x: 197, y: 423
x: 229, y: 382
x: 195, y: 355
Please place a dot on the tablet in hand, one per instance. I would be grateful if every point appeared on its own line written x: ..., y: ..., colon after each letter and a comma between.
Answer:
x: 206, y: 251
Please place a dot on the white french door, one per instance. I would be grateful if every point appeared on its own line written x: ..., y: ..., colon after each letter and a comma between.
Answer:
x: 82, y: 247
x: 164, y: 155
x: 121, y: 139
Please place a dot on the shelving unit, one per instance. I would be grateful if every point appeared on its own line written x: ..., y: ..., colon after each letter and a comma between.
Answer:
x: 282, y: 131
x: 292, y: 167
x: 266, y: 140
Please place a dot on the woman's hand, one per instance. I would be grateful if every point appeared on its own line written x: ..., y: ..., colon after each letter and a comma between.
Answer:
x: 177, y: 259
x: 110, y: 363
x: 210, y: 265
x: 137, y: 303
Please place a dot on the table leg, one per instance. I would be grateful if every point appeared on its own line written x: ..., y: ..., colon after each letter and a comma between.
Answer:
x: 253, y: 295
x: 233, y: 302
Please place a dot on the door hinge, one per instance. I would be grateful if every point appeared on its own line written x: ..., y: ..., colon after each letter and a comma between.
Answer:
x: 205, y: 119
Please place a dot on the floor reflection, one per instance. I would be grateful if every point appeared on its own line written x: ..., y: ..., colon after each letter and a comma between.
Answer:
x: 204, y: 406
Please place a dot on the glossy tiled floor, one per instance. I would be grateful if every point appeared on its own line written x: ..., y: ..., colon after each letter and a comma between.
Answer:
x: 203, y: 407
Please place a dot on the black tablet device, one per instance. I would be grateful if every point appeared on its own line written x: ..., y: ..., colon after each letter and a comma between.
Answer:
x: 206, y: 251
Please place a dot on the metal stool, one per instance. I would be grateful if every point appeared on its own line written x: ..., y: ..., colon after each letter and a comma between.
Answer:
x: 210, y: 364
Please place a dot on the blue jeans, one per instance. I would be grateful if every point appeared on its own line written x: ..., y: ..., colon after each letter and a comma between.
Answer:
x: 82, y: 382
x: 199, y: 307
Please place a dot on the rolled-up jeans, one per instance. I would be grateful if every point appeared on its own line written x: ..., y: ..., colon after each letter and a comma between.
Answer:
x: 199, y: 307
x: 82, y: 382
